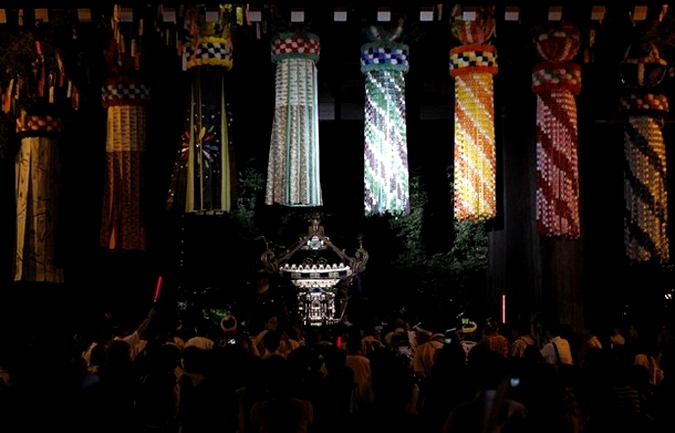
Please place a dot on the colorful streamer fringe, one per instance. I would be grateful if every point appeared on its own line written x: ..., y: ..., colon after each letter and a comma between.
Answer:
x: 386, y: 184
x: 473, y: 65
x: 38, y: 192
x: 645, y: 194
x: 293, y: 177
x: 556, y: 82
x: 123, y: 216
x: 204, y: 176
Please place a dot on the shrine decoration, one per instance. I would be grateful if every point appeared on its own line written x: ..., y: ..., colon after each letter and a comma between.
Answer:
x: 320, y: 272
x: 40, y: 95
x: 556, y: 81
x: 204, y: 178
x: 473, y: 65
x: 384, y: 62
x: 293, y: 175
x: 125, y: 96
x: 644, y: 107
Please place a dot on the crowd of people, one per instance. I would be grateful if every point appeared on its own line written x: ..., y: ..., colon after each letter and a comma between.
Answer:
x: 282, y: 377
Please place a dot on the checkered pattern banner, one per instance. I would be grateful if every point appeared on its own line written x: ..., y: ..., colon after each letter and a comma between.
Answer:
x: 379, y: 56
x: 211, y: 53
x: 469, y: 59
x: 288, y: 46
x: 125, y: 93
x: 39, y: 124
x: 550, y: 76
x: 645, y: 102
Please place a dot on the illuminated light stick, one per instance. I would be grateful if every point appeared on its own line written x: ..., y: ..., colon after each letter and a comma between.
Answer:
x: 645, y: 194
x: 556, y: 82
x: 504, y: 309
x: 386, y: 179
x: 293, y: 177
x: 158, y: 288
x: 204, y: 175
x: 473, y: 65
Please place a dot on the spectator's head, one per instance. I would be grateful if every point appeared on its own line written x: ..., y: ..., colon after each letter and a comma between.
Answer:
x: 521, y: 328
x: 393, y: 387
x: 194, y: 360
x: 276, y: 376
x: 335, y: 360
x: 354, y: 340
x: 272, y: 322
x: 532, y: 354
x: 272, y: 340
x: 489, y: 368
x: 553, y: 329
x: 228, y: 325
x: 491, y: 326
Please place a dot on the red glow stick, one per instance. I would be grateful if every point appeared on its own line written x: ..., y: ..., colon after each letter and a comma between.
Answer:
x: 159, y: 287
x: 339, y: 342
x: 504, y: 309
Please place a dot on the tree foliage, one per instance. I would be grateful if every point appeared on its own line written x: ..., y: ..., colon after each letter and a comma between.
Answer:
x: 444, y: 284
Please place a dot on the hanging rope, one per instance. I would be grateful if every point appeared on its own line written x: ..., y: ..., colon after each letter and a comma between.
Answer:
x: 645, y: 194
x: 293, y: 177
x: 473, y: 65
x: 556, y: 82
x: 384, y: 63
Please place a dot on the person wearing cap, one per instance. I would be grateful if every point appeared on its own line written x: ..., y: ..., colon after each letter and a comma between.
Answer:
x: 229, y: 326
x: 493, y: 340
x: 468, y: 335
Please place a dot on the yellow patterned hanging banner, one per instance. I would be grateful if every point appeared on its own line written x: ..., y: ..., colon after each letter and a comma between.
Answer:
x: 473, y: 65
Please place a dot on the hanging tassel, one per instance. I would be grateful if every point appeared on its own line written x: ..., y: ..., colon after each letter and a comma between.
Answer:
x: 293, y: 171
x: 645, y: 192
x: 555, y: 82
x: 386, y: 177
x: 473, y: 65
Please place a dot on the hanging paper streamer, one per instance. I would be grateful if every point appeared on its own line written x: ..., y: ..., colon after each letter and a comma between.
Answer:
x: 645, y: 195
x: 384, y: 63
x: 204, y: 177
x: 473, y: 65
x: 38, y: 194
x: 123, y: 216
x: 125, y: 100
x: 39, y: 103
x: 556, y: 82
x: 293, y: 177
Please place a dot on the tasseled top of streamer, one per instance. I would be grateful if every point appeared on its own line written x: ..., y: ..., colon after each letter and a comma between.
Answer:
x: 643, y: 67
x: 557, y: 42
x: 299, y: 45
x: 210, y: 43
x: 475, y: 32
x: 378, y: 34
x: 383, y: 53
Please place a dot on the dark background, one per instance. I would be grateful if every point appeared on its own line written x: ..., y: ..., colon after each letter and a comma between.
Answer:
x: 573, y: 279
